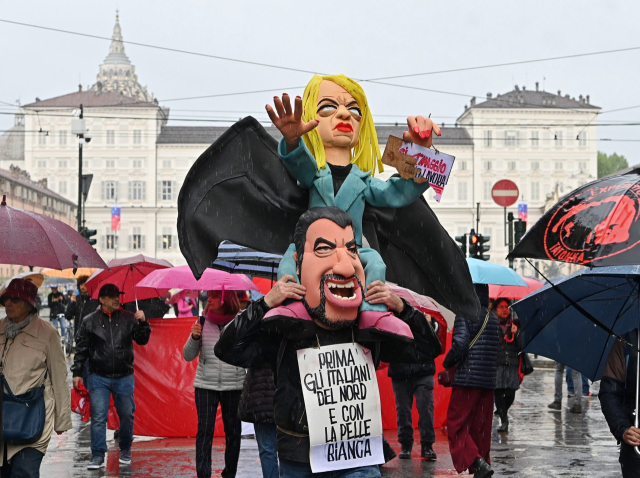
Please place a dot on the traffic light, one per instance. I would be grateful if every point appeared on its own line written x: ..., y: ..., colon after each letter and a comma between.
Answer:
x: 483, y: 247
x: 87, y: 234
x: 519, y: 228
x: 463, y: 243
x: 473, y: 244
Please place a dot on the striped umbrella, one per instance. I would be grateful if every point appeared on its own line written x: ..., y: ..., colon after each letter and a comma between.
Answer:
x: 243, y: 260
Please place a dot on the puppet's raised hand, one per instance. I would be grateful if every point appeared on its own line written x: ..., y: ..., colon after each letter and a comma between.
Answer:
x: 420, y: 129
x: 289, y: 122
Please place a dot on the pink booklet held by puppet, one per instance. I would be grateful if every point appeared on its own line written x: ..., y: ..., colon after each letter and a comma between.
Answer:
x: 419, y: 163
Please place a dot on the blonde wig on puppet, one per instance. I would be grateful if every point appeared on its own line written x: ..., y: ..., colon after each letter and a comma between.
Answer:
x: 366, y: 153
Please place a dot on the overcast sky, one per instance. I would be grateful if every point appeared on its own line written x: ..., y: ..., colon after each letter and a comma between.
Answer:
x: 363, y: 39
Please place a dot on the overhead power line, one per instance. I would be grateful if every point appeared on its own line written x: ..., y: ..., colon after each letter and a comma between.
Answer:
x: 156, y: 47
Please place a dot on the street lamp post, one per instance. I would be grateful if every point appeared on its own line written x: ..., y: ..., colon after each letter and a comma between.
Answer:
x: 80, y: 143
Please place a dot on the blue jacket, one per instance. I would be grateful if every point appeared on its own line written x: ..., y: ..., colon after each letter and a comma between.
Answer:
x: 357, y: 189
x: 476, y: 367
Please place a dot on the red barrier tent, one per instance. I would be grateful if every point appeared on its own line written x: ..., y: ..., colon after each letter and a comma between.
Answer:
x: 164, y: 393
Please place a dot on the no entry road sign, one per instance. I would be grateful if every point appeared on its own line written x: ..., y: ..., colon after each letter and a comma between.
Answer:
x: 505, y: 193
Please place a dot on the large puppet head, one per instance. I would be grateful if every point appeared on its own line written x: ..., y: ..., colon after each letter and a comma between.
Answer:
x: 340, y: 104
x: 329, y: 266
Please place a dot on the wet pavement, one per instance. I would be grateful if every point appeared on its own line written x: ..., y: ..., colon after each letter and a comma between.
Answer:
x: 540, y: 443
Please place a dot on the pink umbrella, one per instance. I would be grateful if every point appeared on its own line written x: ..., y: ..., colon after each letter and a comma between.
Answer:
x: 424, y: 303
x: 192, y: 294
x: 181, y: 277
x: 126, y: 273
x: 514, y: 292
x: 31, y: 239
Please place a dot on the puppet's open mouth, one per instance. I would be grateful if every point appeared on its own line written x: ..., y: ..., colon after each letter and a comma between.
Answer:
x: 342, y: 290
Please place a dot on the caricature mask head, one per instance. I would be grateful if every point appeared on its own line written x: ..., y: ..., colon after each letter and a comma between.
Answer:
x: 350, y: 102
x: 329, y: 266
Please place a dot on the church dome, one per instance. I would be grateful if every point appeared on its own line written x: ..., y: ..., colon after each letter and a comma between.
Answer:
x: 12, y: 141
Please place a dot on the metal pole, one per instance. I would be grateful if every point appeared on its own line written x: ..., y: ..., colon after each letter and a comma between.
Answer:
x: 510, y: 220
x: 505, y: 226
x: 80, y: 141
x: 478, y: 218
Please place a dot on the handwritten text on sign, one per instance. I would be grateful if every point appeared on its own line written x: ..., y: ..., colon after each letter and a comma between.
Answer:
x: 419, y: 163
x: 341, y: 397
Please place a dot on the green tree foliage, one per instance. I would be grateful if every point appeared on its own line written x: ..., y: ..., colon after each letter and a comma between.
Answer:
x: 610, y: 163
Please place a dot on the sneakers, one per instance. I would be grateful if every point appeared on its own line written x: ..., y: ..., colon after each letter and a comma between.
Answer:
x: 555, y: 405
x: 125, y: 457
x: 481, y: 468
x: 96, y: 463
x: 427, y: 452
x: 576, y: 408
x: 405, y: 452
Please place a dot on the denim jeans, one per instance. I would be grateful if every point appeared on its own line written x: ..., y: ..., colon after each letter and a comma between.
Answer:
x: 404, y: 391
x: 296, y: 469
x: 585, y: 383
x: 100, y: 390
x: 559, y: 378
x: 24, y: 464
x: 62, y: 322
x: 268, y: 448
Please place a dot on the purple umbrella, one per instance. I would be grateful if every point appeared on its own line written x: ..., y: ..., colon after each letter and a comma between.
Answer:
x: 31, y: 239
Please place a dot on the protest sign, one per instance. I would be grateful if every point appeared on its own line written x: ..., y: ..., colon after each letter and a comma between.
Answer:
x: 342, y: 401
x: 419, y: 163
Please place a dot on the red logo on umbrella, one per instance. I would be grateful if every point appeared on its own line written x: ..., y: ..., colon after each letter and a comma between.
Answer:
x: 594, y: 223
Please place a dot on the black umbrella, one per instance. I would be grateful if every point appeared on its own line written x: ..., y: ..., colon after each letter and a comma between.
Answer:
x: 244, y: 260
x: 596, y: 224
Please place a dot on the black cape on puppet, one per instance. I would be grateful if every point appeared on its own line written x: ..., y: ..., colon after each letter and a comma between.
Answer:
x: 239, y: 190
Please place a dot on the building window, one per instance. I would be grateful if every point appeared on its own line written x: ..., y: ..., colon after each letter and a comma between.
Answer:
x: 558, y: 138
x: 137, y: 240
x: 62, y: 164
x: 166, y: 190
x: 558, y: 165
x: 487, y: 138
x: 462, y: 165
x: 42, y: 138
x: 109, y: 190
x: 42, y: 163
x: 62, y: 137
x: 487, y: 165
x: 137, y: 164
x: 462, y: 191
x: 583, y: 166
x: 535, y: 165
x: 582, y: 139
x: 486, y: 188
x: 62, y: 187
x: 511, y: 165
x: 535, y: 191
x: 137, y: 136
x: 110, y: 164
x: 166, y: 240
x: 166, y: 164
x: 109, y: 240
x: 137, y: 190
x: 510, y: 138
x: 535, y: 138
x: 111, y: 136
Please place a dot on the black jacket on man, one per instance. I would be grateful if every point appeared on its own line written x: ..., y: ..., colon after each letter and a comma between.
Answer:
x: 78, y: 310
x: 108, y: 343
x: 426, y: 353
x: 247, y: 340
x: 256, y: 401
x: 56, y: 307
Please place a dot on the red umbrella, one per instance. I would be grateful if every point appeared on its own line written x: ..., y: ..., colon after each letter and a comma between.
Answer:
x: 514, y: 292
x: 126, y: 273
x: 31, y: 239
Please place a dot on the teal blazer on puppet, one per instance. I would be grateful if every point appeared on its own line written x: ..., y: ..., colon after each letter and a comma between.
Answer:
x: 357, y: 188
